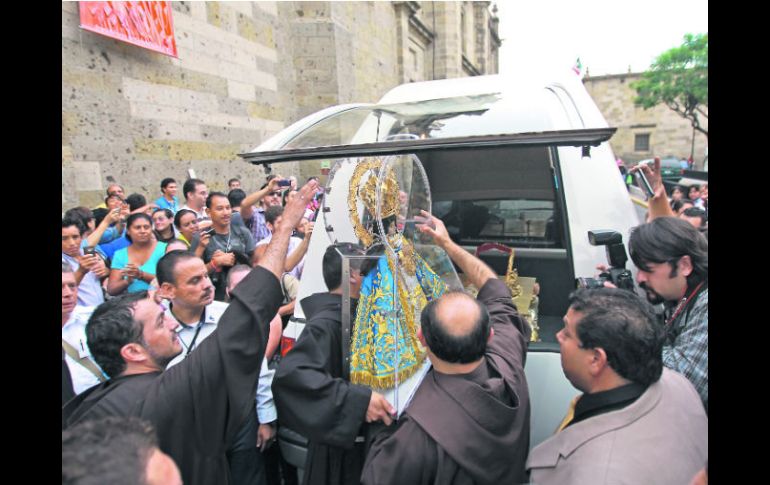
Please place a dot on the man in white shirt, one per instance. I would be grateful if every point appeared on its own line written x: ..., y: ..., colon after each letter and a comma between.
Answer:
x: 83, y: 371
x: 295, y: 259
x: 89, y: 269
x: 184, y: 281
x: 195, y: 193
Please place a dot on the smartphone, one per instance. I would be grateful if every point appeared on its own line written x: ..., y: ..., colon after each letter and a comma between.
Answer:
x: 89, y: 250
x: 284, y: 183
x: 644, y: 184
x: 207, y: 231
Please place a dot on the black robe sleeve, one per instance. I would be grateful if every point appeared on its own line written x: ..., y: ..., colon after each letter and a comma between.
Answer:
x: 310, y: 398
x: 206, y: 397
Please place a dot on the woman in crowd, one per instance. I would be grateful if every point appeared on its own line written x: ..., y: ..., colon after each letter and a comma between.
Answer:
x: 133, y: 268
x: 162, y: 221
x: 186, y: 223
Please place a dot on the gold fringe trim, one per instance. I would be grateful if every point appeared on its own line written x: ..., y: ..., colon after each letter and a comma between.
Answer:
x: 385, y: 382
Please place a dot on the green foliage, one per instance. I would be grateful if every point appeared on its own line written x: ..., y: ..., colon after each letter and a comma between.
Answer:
x: 679, y: 79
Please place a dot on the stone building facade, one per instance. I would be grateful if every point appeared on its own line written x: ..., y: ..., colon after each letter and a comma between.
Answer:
x: 244, y: 71
x: 642, y: 133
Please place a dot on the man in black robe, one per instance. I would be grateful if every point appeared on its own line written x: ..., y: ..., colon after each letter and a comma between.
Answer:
x: 468, y: 422
x: 199, y: 405
x: 314, y: 399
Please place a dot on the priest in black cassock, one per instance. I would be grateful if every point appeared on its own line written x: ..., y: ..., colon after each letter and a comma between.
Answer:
x: 314, y: 399
x: 468, y: 422
x: 199, y: 405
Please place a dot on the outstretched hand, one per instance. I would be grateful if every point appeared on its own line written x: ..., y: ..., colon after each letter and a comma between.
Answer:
x: 653, y: 176
x: 434, y: 227
x: 295, y: 208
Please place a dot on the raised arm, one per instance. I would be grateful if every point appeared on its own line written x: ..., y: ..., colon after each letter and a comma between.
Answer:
x: 475, y: 269
x: 251, y: 199
x: 293, y: 259
x: 275, y: 254
x: 96, y: 236
x: 657, y: 205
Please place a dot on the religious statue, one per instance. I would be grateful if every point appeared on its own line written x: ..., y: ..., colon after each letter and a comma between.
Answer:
x: 396, y: 286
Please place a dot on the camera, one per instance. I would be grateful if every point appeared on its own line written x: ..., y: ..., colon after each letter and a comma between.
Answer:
x: 617, y: 274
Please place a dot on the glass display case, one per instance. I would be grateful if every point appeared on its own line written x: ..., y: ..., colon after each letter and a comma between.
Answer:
x: 372, y: 212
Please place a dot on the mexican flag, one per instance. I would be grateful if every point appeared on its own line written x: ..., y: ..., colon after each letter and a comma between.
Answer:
x: 578, y: 67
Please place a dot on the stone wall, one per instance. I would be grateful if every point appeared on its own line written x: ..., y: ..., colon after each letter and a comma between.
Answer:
x: 245, y: 71
x: 670, y: 134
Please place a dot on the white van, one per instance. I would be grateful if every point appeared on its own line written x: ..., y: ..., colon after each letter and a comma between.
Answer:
x: 519, y: 161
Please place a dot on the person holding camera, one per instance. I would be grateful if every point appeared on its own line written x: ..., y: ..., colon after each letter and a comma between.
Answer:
x: 672, y: 261
x: 267, y: 196
x: 672, y: 258
x: 228, y: 245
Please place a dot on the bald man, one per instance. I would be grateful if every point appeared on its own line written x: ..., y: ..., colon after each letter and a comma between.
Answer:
x: 469, y: 420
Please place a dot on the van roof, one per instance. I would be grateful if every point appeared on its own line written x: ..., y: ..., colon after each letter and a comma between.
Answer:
x: 446, y: 113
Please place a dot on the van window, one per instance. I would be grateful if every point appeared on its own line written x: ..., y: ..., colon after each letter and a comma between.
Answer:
x: 517, y: 222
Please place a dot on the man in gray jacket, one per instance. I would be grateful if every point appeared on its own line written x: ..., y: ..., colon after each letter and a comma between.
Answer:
x: 637, y: 422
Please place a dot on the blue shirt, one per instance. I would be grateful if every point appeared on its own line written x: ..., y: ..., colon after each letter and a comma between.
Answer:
x: 162, y: 203
x: 121, y: 260
x: 110, y: 248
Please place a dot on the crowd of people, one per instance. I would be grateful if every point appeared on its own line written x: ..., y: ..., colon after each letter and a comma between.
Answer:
x: 173, y: 314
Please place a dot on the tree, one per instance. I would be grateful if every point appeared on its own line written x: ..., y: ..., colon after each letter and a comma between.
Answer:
x: 679, y: 79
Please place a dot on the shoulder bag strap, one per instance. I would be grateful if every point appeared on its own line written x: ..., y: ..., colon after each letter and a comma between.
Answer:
x: 84, y: 361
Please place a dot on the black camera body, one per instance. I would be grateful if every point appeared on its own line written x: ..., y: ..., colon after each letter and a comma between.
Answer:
x: 617, y: 274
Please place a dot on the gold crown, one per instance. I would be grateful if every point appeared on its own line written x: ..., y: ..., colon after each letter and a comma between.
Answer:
x: 388, y: 191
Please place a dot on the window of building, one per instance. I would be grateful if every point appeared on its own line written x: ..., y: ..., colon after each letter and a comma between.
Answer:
x: 642, y: 142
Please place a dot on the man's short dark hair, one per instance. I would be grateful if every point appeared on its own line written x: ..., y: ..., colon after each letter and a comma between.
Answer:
x: 164, y: 183
x: 134, y: 217
x: 212, y: 195
x: 164, y: 270
x: 136, y: 201
x: 190, y: 185
x: 696, y: 212
x: 82, y: 213
x: 666, y: 240
x: 332, y: 263
x: 678, y: 204
x: 71, y: 221
x: 111, y: 326
x: 456, y: 349
x: 235, y: 197
x: 112, y: 450
x: 238, y: 268
x: 234, y: 179
x: 625, y: 326
x: 272, y: 213
x: 99, y: 214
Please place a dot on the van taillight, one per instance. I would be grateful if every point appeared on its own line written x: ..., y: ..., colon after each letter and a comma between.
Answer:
x: 287, y: 343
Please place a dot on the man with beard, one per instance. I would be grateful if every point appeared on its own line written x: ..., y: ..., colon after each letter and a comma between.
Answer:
x: 672, y: 261
x: 199, y: 405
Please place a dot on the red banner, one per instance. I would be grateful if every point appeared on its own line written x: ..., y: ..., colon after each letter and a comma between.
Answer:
x: 145, y: 24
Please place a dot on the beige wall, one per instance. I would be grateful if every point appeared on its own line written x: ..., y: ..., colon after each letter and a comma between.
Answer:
x: 245, y: 71
x: 670, y: 134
